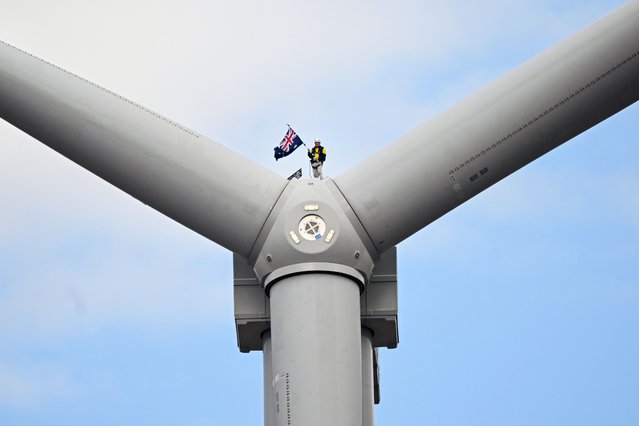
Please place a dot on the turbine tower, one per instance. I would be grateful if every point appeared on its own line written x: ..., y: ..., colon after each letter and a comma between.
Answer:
x: 314, y: 260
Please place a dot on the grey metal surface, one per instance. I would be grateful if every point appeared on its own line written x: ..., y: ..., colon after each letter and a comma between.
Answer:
x: 250, y: 306
x: 314, y: 267
x: 519, y: 117
x: 368, y: 384
x: 269, y: 407
x: 178, y: 172
x: 378, y: 303
x: 376, y: 386
x: 316, y: 350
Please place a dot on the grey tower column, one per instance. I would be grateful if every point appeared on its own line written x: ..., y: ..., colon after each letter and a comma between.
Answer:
x: 316, y: 350
x: 269, y: 407
x: 368, y: 385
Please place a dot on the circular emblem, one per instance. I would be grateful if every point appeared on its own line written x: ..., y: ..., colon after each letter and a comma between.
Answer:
x: 312, y: 227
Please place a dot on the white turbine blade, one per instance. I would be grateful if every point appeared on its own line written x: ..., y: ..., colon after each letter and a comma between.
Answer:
x: 516, y: 119
x: 191, y: 179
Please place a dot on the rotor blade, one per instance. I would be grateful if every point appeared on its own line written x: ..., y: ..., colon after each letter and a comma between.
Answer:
x: 484, y: 138
x: 191, y: 179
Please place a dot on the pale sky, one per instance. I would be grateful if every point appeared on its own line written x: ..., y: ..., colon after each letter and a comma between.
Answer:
x: 519, y: 307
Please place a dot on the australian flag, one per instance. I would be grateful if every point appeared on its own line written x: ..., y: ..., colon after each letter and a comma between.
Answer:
x: 290, y: 142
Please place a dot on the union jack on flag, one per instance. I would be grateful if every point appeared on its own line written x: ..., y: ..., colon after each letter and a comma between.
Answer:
x: 290, y: 142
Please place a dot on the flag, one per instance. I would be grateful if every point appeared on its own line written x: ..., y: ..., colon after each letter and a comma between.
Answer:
x: 296, y: 175
x: 290, y: 142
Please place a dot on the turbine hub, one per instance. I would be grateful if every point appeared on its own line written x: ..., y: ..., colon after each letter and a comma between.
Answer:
x: 312, y: 229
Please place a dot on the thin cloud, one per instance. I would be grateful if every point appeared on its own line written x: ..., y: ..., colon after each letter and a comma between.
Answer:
x: 34, y: 386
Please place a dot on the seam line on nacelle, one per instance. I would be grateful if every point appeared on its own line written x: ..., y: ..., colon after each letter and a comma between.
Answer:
x: 268, y: 216
x: 356, y: 216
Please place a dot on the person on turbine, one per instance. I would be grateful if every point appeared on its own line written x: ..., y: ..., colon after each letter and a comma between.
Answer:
x: 317, y: 154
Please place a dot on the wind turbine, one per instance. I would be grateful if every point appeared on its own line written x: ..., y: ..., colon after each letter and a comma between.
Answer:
x: 452, y: 158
